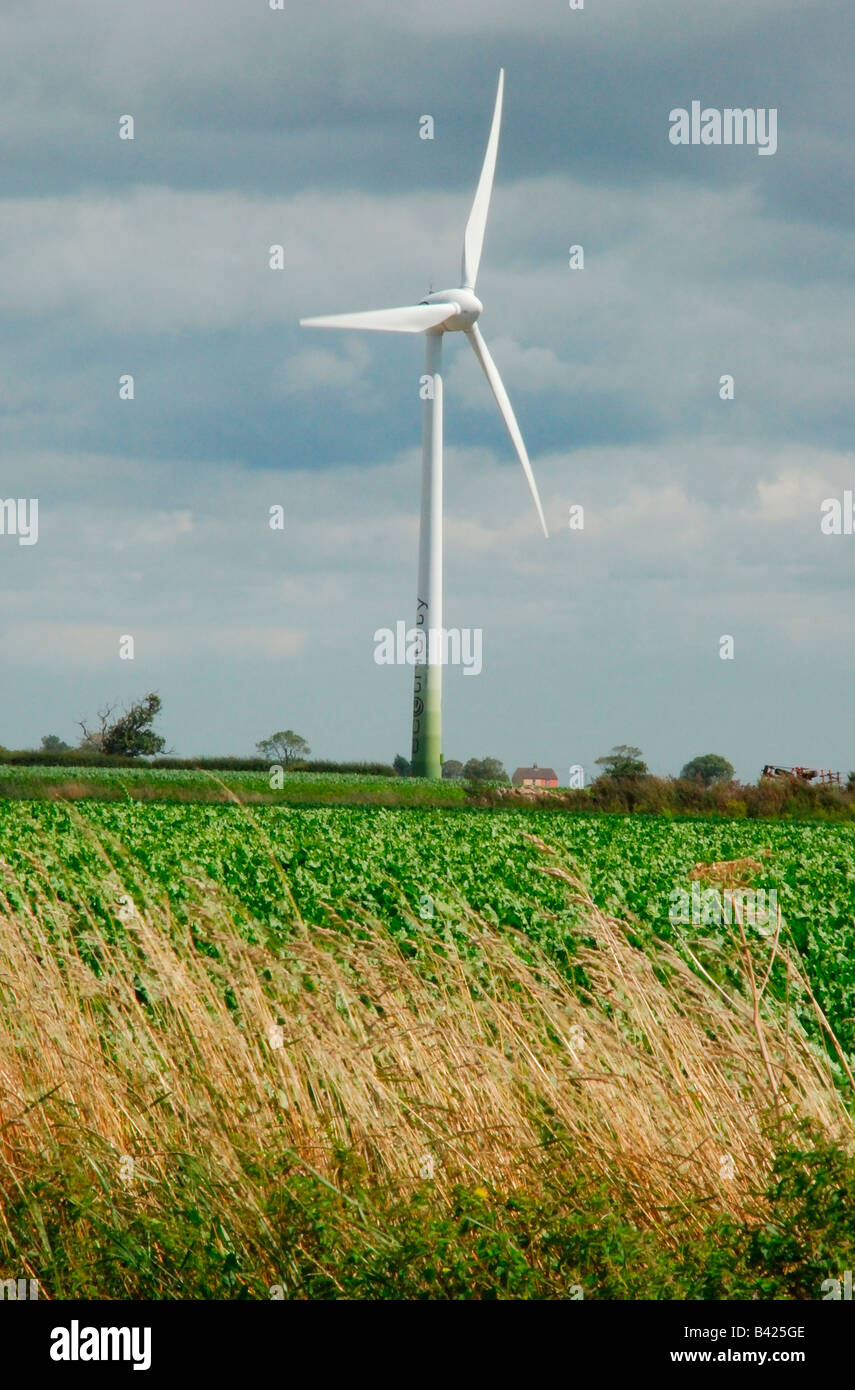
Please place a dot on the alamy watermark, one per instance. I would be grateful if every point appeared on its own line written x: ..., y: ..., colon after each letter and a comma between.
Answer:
x: 709, y: 907
x: 14, y: 520
x: 730, y: 126
x: 835, y: 1289
x: 838, y: 517
x: 76, y: 1343
x: 436, y: 646
x: 19, y: 1288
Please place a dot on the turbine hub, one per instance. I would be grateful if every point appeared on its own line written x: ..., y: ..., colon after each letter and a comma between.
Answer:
x: 470, y: 309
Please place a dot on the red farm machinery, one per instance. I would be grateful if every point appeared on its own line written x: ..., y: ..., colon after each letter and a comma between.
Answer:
x: 822, y: 775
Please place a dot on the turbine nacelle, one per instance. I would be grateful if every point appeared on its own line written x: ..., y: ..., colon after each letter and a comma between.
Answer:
x: 468, y: 304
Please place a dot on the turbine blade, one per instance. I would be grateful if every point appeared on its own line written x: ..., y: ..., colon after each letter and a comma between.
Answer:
x: 413, y: 318
x: 473, y: 239
x: 492, y: 374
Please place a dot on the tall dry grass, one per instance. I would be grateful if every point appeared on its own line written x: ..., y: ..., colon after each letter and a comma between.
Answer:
x: 482, y: 1062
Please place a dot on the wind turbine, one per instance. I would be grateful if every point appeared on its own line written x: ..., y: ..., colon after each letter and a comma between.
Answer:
x: 445, y: 311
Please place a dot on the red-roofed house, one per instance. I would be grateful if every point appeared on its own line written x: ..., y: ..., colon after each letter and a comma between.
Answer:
x: 535, y: 777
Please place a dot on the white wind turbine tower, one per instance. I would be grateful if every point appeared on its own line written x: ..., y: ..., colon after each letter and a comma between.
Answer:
x: 446, y: 311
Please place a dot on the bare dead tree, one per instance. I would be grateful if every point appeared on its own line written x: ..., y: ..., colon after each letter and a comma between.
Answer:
x: 93, y: 739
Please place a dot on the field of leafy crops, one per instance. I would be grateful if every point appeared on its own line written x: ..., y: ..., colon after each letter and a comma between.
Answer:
x: 358, y: 1052
x: 136, y: 776
x: 187, y: 784
x: 401, y: 865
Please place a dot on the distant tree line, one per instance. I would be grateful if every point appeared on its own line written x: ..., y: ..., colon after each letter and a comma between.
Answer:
x: 706, y: 786
x: 625, y: 760
x: 121, y: 740
x: 706, y: 783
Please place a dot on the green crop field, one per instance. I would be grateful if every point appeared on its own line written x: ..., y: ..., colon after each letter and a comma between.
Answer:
x: 424, y: 969
x: 400, y: 864
x: 176, y: 784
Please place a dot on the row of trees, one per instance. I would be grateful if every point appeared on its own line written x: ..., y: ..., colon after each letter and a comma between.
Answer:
x: 625, y: 760
x: 131, y: 735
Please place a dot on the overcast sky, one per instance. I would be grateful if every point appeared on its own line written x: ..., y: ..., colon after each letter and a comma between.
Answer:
x: 255, y: 127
